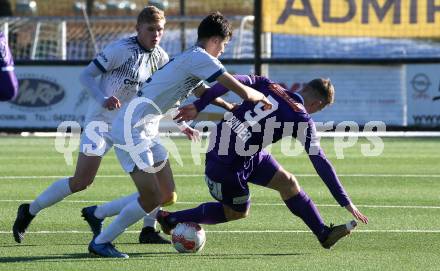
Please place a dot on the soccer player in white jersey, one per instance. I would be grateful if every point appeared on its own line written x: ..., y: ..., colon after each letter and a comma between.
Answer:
x: 124, y: 66
x: 174, y: 82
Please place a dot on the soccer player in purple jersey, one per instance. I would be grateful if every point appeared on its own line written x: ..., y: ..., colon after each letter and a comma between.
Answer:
x: 8, y: 80
x: 236, y: 157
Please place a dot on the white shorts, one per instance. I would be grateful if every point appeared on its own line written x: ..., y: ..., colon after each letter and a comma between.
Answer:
x: 95, y: 145
x: 143, y: 158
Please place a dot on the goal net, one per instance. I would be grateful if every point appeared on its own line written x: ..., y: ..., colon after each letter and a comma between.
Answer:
x: 71, y: 38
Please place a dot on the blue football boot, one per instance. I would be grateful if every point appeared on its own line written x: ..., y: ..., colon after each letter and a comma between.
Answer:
x: 106, y: 250
x: 94, y: 222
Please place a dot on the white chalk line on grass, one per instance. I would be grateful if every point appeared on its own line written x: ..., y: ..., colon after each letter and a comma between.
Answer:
x: 253, y: 204
x: 205, y: 134
x: 243, y: 231
x: 202, y: 175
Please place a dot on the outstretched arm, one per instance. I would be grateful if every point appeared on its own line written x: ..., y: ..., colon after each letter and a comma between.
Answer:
x: 326, y: 171
x: 212, y: 94
x: 245, y: 92
x: 217, y: 101
x: 207, y: 96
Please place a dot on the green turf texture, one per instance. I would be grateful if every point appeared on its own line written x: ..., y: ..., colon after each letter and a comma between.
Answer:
x: 383, y: 244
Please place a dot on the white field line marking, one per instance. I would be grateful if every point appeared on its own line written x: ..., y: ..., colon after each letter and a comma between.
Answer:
x: 253, y: 204
x: 320, y: 134
x: 201, y: 175
x: 58, y: 157
x: 240, y: 231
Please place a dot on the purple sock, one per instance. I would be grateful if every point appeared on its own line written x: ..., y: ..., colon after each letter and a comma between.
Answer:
x: 302, y: 206
x: 206, y: 213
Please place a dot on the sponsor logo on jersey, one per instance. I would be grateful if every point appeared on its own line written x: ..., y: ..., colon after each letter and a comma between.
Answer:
x: 102, y: 55
x: 132, y: 83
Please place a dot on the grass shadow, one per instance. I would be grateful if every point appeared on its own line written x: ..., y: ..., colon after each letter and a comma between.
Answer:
x: 44, y: 258
x: 140, y: 256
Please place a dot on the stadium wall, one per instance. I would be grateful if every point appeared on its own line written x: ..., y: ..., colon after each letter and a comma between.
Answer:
x: 52, y: 93
x: 404, y: 95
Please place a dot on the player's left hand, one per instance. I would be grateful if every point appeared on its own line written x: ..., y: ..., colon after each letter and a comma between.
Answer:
x: 356, y: 213
x: 267, y: 105
x: 192, y: 134
x: 186, y: 113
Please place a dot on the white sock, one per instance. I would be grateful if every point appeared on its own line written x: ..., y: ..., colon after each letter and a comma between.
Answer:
x: 150, y: 220
x: 114, y: 207
x: 131, y: 213
x: 53, y: 194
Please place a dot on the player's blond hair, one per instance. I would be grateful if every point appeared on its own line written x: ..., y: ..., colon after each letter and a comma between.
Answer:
x: 150, y: 14
x: 324, y: 90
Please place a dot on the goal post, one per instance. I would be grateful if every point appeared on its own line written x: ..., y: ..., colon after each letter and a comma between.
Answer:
x: 80, y: 38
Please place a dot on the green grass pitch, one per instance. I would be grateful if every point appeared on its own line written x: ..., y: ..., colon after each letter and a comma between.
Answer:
x: 398, y: 190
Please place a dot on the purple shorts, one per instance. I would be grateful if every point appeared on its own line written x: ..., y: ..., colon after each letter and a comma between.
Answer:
x: 229, y: 183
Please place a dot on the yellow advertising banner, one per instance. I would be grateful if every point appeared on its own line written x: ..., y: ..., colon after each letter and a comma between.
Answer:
x: 371, y: 18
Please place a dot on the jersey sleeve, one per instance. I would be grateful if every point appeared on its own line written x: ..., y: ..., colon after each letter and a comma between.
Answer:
x: 110, y: 58
x: 8, y: 80
x: 87, y: 79
x: 206, y: 67
x: 322, y: 165
x: 218, y: 90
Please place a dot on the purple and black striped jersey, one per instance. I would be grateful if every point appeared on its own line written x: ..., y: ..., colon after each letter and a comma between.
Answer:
x: 8, y: 80
x: 248, y: 129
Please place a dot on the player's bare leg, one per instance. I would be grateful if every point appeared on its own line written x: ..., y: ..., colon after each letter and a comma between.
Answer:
x: 232, y: 214
x: 94, y: 215
x: 149, y: 234
x: 85, y: 172
x: 166, y: 184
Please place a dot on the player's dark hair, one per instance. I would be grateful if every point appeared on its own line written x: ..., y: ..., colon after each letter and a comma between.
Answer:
x: 215, y: 24
x: 324, y: 88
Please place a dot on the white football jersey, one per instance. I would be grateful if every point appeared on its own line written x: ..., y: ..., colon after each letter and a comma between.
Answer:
x: 180, y: 76
x: 126, y: 65
x: 171, y: 84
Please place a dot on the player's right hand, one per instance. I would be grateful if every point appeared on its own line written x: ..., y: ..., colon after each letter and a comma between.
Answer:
x: 186, y: 113
x: 356, y: 213
x: 112, y: 103
x: 192, y: 134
